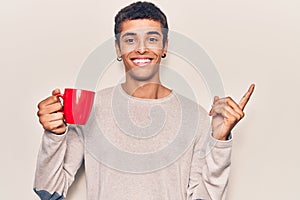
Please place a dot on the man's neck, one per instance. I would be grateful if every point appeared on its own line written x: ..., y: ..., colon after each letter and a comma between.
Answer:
x: 149, y: 90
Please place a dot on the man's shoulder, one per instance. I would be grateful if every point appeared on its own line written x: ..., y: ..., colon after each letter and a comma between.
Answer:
x: 105, y: 91
x: 191, y: 104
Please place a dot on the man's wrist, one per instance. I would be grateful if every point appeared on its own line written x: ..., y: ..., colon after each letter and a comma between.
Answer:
x: 223, y: 138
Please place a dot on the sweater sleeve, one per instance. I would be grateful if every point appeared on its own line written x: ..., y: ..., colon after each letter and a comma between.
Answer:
x: 59, y: 158
x: 210, y: 167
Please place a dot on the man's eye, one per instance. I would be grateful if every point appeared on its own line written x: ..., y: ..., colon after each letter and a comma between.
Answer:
x: 153, y: 39
x: 129, y: 40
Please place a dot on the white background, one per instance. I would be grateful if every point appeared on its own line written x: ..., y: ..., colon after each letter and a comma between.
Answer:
x: 43, y: 44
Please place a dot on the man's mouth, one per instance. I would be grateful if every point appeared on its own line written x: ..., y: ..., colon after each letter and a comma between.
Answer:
x: 141, y: 61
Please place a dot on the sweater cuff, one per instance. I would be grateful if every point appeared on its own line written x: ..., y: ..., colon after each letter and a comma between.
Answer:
x: 220, y: 143
x: 55, y: 137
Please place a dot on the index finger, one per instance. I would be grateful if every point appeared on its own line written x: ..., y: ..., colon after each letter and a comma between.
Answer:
x: 246, y: 97
x: 48, y: 101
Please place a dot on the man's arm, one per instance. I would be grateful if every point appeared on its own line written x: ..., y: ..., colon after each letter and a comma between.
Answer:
x: 210, y: 166
x: 61, y: 152
x: 212, y: 158
x: 59, y: 158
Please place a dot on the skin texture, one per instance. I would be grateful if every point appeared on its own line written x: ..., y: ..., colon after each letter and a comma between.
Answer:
x: 141, y: 49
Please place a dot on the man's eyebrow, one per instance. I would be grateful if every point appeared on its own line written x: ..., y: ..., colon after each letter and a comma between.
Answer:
x: 134, y: 34
x: 153, y: 33
x: 128, y: 34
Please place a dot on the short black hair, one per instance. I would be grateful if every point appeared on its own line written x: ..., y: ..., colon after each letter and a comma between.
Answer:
x: 141, y: 10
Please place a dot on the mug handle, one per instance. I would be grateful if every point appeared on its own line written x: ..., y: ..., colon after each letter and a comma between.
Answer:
x: 60, y: 95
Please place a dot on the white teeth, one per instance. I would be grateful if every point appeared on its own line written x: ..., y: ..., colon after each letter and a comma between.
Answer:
x: 141, y: 61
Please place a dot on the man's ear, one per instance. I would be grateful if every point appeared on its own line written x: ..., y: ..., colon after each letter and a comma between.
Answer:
x: 165, y: 49
x: 118, y: 50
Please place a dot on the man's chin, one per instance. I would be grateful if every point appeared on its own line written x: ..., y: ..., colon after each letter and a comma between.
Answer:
x: 139, y: 75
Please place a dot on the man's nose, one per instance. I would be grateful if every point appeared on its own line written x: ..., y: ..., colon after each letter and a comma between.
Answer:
x: 142, y: 48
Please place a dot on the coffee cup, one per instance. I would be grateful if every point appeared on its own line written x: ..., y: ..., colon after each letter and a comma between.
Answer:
x: 77, y: 105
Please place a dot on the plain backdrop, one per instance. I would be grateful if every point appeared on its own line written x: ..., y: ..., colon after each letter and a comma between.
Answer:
x: 44, y: 43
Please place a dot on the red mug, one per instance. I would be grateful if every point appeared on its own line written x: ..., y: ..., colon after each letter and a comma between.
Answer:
x: 77, y: 105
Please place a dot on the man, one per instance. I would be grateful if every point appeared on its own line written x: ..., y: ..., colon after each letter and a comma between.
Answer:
x: 200, y: 171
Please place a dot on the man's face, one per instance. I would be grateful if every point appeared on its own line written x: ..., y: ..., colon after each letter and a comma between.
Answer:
x: 141, y: 48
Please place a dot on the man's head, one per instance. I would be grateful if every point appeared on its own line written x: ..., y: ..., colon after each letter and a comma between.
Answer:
x: 141, y: 10
x: 141, y: 40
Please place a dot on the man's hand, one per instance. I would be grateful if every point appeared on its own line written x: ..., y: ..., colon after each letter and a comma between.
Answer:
x: 50, y: 114
x: 226, y: 113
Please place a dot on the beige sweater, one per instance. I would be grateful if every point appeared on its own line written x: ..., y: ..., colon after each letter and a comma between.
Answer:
x: 135, y: 149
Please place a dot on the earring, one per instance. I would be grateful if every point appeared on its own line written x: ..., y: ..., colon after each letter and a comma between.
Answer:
x: 164, y: 55
x: 119, y: 59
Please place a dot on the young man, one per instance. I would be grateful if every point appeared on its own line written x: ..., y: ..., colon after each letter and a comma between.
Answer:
x: 199, y: 172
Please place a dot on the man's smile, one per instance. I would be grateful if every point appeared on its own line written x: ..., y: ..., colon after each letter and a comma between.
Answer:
x: 141, y: 61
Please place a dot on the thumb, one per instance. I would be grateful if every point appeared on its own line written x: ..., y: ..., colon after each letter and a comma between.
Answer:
x: 55, y: 92
x: 216, y: 98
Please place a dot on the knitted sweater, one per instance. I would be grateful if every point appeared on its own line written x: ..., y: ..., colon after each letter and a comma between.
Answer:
x: 132, y: 149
